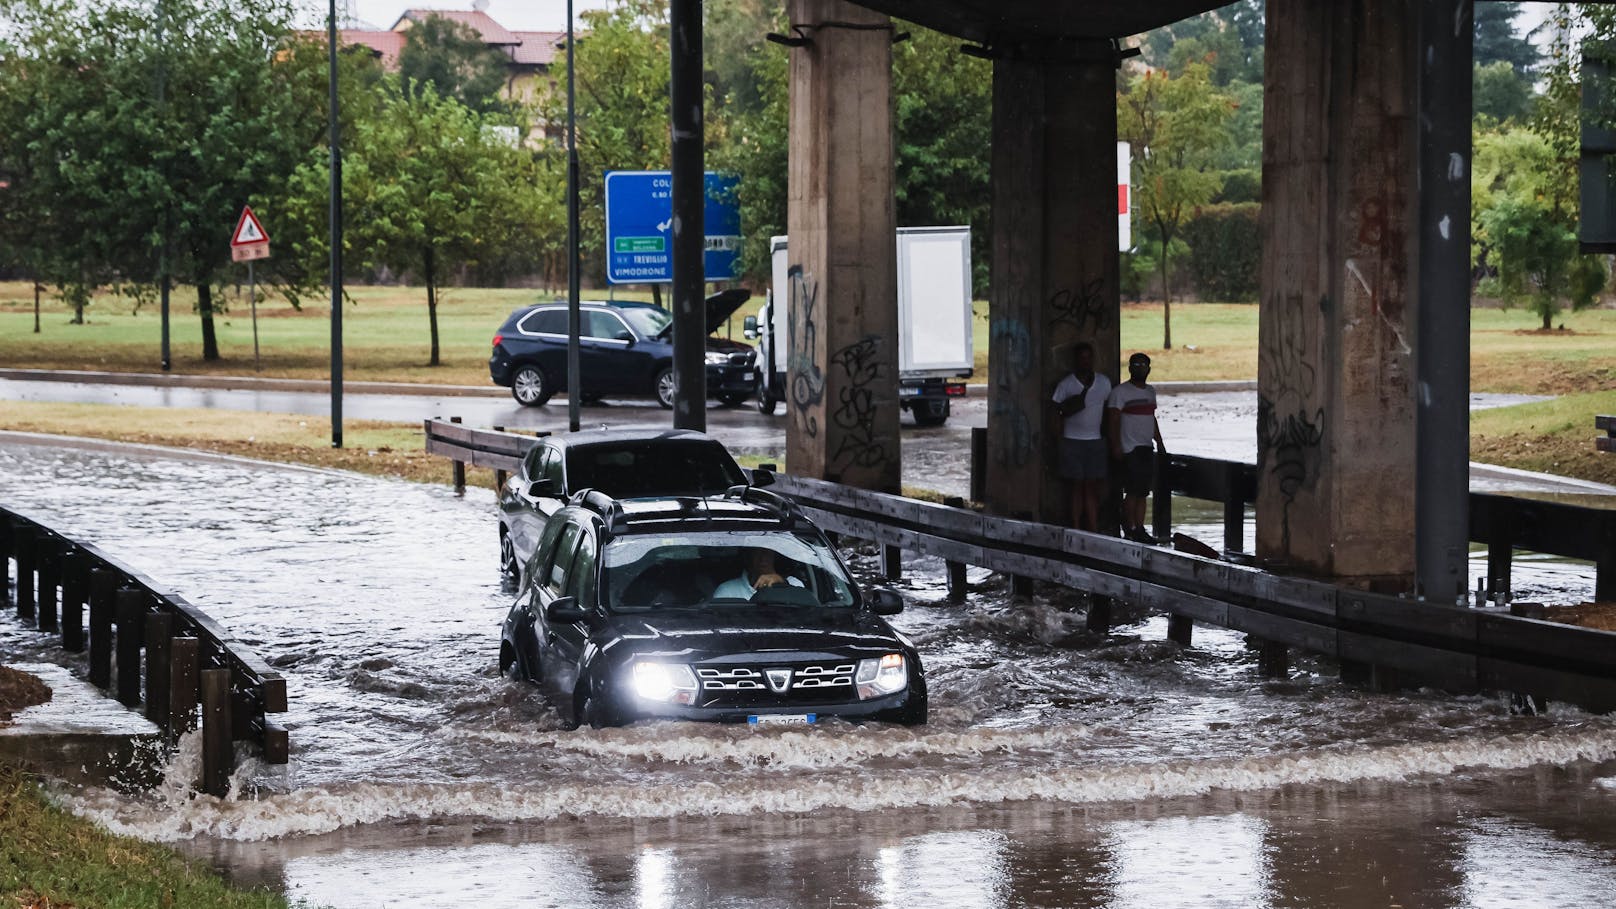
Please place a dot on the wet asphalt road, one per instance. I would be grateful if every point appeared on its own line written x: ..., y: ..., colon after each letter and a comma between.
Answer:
x: 1217, y: 424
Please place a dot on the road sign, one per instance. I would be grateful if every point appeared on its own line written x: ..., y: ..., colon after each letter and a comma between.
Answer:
x: 248, y: 241
x: 639, y: 227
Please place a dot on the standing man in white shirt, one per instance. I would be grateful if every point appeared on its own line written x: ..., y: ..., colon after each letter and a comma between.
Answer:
x: 1080, y: 405
x: 1132, y: 417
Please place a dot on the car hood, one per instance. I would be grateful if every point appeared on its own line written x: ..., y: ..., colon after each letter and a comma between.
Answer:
x: 736, y: 630
x: 720, y: 306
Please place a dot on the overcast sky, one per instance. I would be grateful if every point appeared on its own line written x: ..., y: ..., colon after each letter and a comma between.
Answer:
x: 542, y: 15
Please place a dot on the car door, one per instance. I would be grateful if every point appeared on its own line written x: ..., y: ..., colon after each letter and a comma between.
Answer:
x: 604, y: 353
x: 550, y: 580
x: 518, y: 508
x: 571, y: 640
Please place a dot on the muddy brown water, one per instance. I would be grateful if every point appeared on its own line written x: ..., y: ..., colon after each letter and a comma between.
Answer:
x: 1059, y: 769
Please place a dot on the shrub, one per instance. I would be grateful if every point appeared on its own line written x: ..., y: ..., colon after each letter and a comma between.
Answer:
x: 1225, y: 251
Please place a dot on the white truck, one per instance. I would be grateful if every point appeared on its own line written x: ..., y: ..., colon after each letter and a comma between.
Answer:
x: 934, y: 322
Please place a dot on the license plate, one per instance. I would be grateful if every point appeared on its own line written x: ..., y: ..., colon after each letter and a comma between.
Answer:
x: 784, y: 719
x: 908, y: 392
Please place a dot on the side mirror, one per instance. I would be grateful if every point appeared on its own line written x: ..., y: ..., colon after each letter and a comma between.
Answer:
x: 626, y: 336
x: 564, y: 611
x: 762, y: 476
x: 885, y: 601
x: 749, y: 328
x: 540, y: 488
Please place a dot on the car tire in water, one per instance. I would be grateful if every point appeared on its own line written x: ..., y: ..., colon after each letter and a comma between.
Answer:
x: 507, y: 558
x: 930, y: 413
x: 531, y: 387
x: 765, y: 401
x: 663, y: 389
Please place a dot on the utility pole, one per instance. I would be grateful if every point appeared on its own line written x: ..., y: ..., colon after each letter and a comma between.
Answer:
x: 574, y: 315
x: 336, y: 240
x: 689, y: 199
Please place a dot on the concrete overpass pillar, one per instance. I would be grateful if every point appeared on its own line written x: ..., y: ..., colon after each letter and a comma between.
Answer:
x: 1336, y: 427
x: 842, y: 363
x: 1055, y: 266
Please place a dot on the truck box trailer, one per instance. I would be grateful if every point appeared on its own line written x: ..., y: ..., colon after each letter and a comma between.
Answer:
x: 934, y: 322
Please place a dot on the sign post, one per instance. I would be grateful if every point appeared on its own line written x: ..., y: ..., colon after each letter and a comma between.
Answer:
x: 249, y: 243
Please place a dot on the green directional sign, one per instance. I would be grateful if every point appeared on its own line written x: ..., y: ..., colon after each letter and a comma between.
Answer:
x: 639, y: 244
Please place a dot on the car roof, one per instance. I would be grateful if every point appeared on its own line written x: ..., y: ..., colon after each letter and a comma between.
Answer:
x: 587, y: 437
x: 692, y: 514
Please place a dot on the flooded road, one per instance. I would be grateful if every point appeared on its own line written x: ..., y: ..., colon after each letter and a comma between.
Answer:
x: 1059, y: 768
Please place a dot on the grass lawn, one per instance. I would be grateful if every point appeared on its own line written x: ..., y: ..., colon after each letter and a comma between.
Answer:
x: 1549, y: 436
x: 386, y: 338
x: 49, y: 858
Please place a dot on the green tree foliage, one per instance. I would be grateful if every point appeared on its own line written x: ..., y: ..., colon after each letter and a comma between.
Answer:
x: 749, y: 120
x: 137, y: 130
x: 1229, y: 40
x: 1524, y: 189
x: 1501, y: 94
x: 1225, y: 245
x: 1176, y: 125
x: 450, y: 59
x: 1498, y: 41
x: 429, y: 188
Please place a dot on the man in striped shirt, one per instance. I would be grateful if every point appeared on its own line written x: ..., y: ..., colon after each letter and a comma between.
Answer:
x: 1131, y: 413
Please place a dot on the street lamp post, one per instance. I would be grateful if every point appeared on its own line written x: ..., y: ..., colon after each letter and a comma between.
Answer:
x: 574, y: 316
x: 336, y: 241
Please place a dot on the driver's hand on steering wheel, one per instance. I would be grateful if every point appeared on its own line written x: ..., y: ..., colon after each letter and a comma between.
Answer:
x: 768, y: 580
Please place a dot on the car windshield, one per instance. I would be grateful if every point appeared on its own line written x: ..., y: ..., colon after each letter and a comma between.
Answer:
x: 653, y: 468
x: 722, y: 568
x: 648, y: 321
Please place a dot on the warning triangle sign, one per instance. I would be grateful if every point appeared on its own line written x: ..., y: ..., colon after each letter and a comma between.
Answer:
x: 248, y: 230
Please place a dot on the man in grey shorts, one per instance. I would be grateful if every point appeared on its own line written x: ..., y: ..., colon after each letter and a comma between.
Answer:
x: 1080, y: 405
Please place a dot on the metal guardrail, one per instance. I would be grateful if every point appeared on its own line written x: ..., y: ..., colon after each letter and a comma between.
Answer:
x: 1387, y: 638
x: 1608, y: 424
x: 195, y: 673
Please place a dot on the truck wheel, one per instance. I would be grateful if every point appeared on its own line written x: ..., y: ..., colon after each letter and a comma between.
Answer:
x: 930, y: 413
x: 765, y: 400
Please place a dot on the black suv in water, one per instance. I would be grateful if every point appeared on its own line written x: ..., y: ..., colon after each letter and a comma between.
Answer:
x: 731, y: 607
x: 624, y: 348
x: 622, y: 463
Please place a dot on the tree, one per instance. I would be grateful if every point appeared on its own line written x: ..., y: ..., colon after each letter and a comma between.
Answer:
x: 136, y: 132
x: 1497, y: 40
x: 1176, y: 124
x: 451, y: 59
x: 428, y: 189
x: 1501, y: 93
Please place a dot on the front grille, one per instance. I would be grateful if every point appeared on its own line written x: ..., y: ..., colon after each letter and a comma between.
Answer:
x: 776, y: 684
x: 742, y: 359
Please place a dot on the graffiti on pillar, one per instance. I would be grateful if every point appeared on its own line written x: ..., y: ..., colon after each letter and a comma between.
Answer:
x: 1084, y: 310
x: 807, y: 379
x: 1013, y: 366
x: 1290, y: 425
x: 859, y: 364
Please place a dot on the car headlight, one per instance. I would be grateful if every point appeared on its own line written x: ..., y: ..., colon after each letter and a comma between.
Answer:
x: 886, y: 675
x: 717, y: 358
x: 668, y: 683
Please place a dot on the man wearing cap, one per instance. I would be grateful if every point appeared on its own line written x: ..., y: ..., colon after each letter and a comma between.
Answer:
x: 1131, y: 416
x: 1080, y: 404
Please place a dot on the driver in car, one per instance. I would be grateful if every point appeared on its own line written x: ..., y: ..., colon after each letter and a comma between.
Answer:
x: 759, y: 572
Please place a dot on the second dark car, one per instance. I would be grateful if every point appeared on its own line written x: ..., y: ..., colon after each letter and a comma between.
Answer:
x: 625, y: 348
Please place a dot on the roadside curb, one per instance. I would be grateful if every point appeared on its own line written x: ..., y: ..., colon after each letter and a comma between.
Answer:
x: 1170, y: 388
x: 246, y: 383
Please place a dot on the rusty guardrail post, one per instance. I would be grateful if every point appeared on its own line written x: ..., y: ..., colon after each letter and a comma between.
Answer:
x: 957, y: 586
x: 131, y: 609
x: 74, y: 583
x: 5, y: 558
x: 184, y: 653
x: 159, y: 633
x: 1234, y: 507
x: 218, y: 750
x: 459, y: 470
x: 1161, y: 498
x: 49, y: 569
x: 23, y: 540
x: 103, y: 608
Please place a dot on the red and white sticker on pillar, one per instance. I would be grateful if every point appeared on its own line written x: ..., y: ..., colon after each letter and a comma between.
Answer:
x: 1124, y: 197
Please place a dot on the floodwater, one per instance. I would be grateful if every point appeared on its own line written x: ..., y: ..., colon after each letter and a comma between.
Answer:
x: 1059, y: 768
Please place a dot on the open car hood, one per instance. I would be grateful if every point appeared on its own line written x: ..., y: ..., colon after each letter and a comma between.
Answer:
x: 720, y: 306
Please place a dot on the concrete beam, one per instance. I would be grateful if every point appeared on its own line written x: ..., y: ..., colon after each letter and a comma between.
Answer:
x: 1055, y: 265
x: 1335, y: 377
x: 842, y: 363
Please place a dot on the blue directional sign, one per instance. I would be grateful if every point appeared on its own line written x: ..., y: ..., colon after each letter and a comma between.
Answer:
x: 639, y: 227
